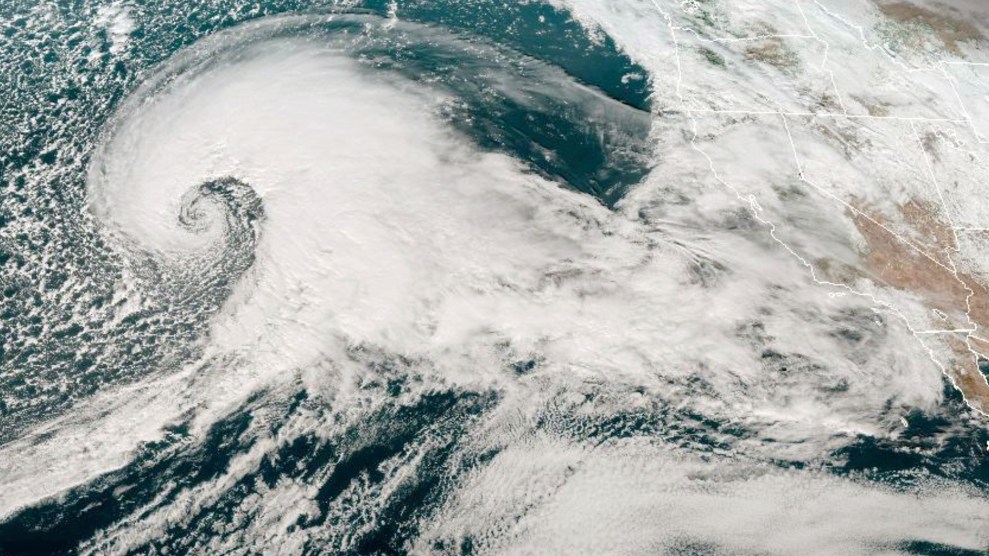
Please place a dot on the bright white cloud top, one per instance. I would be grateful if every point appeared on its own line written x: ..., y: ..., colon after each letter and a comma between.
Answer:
x: 412, y: 288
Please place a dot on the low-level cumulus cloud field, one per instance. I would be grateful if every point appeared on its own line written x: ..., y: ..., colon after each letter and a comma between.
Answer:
x: 581, y: 277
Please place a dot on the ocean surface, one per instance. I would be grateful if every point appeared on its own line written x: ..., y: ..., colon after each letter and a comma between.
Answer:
x: 311, y: 277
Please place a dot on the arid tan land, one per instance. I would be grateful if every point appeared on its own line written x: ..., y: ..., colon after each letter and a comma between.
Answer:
x: 949, y: 30
x: 924, y: 267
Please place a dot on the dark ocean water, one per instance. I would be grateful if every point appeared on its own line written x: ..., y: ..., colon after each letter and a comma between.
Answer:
x: 584, y: 123
x: 65, y: 91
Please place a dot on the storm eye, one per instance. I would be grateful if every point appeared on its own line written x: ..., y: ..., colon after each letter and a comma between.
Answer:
x: 488, y: 277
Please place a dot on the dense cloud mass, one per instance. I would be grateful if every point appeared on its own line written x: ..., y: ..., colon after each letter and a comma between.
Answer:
x: 634, y: 277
